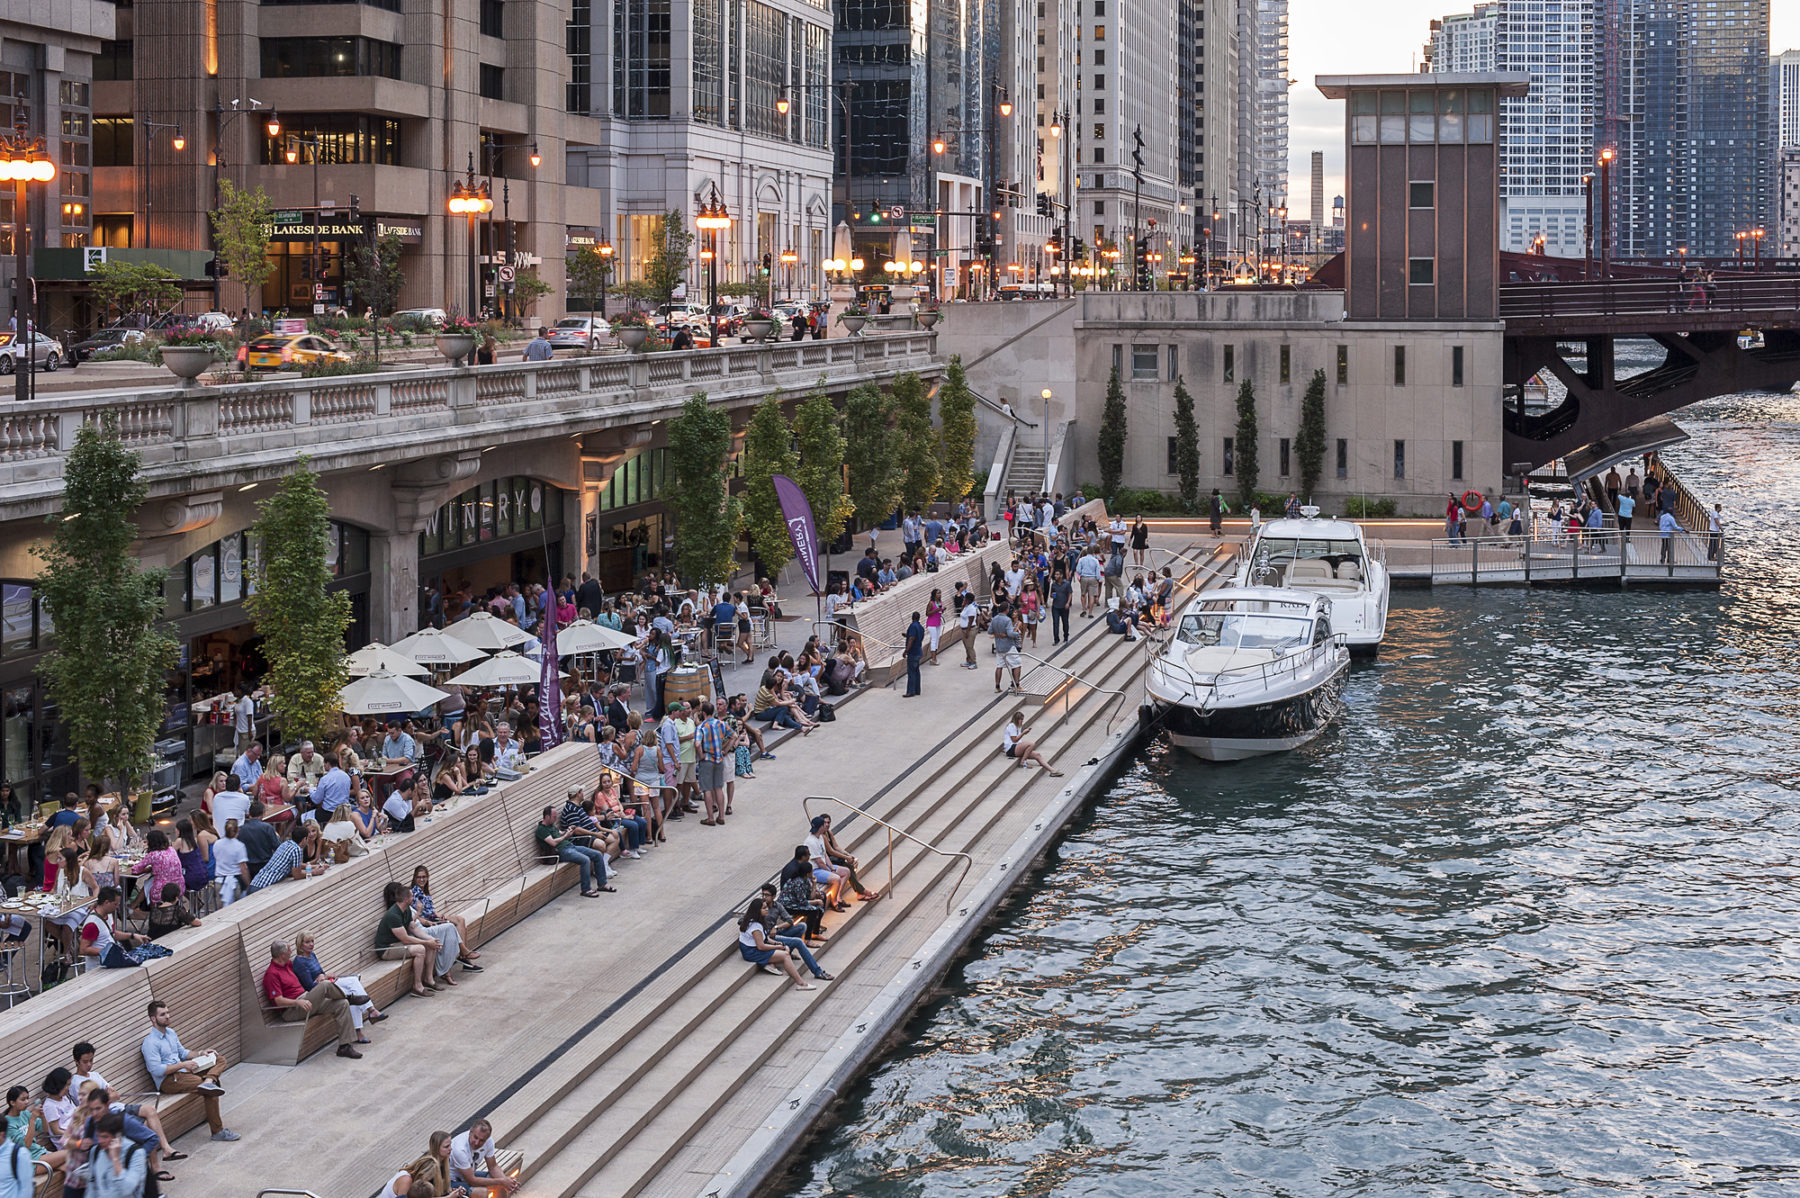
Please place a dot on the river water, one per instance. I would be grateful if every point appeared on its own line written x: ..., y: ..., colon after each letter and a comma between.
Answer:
x: 1520, y: 924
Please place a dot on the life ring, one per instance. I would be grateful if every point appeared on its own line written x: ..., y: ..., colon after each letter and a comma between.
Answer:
x: 1473, y: 500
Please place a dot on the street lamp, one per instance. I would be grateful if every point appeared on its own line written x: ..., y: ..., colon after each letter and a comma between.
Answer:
x: 222, y: 120
x: 1587, y: 240
x: 292, y: 155
x: 492, y: 146
x: 178, y: 143
x: 712, y: 217
x: 788, y: 258
x: 1606, y: 160
x: 471, y: 199
x: 23, y: 159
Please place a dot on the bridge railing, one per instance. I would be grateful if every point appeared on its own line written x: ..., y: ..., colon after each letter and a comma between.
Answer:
x: 183, y: 431
x: 1723, y: 298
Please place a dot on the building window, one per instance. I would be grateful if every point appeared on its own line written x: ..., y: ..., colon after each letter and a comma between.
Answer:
x: 1143, y: 362
x: 493, y: 18
x: 114, y: 141
x: 1287, y: 364
x: 1099, y: 153
x: 1399, y: 366
x: 1230, y: 363
x: 113, y: 63
x: 1343, y: 458
x: 1286, y: 457
x: 1343, y: 363
x: 1174, y: 458
x: 1420, y: 271
x: 1399, y: 459
x: 1099, y: 83
x: 1226, y: 461
x: 1421, y: 195
x: 493, y: 82
x: 1118, y: 360
x: 1099, y: 33
x: 1174, y: 364
x: 343, y: 137
x: 641, y: 44
x: 1456, y: 459
x: 312, y: 57
x: 1456, y: 368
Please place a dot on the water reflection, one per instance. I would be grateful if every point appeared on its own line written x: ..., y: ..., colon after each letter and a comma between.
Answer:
x: 1520, y: 924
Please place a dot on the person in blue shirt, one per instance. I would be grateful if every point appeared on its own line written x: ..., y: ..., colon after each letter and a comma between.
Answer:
x: 1627, y: 509
x: 69, y: 815
x: 248, y: 766
x: 175, y: 1070
x: 333, y: 790
x: 399, y: 743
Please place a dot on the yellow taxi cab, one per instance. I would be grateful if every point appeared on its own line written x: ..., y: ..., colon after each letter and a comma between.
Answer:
x: 293, y: 349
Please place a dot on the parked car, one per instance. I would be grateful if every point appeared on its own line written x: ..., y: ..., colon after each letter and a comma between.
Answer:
x: 103, y: 340
x: 573, y: 332
x: 291, y: 349
x: 45, y: 351
x: 431, y: 316
x: 215, y: 322
x: 681, y: 310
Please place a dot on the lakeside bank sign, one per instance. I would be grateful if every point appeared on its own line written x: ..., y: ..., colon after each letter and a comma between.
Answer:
x: 297, y: 224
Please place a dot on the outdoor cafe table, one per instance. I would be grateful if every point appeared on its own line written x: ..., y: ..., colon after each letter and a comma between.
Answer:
x: 22, y: 908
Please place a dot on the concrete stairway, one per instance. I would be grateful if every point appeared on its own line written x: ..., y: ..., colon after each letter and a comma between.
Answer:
x: 1025, y: 469
x: 665, y: 1085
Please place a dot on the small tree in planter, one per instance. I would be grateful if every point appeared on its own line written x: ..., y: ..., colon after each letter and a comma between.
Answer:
x: 528, y: 288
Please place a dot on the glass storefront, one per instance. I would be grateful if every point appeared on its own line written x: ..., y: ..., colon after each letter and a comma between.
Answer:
x: 503, y: 531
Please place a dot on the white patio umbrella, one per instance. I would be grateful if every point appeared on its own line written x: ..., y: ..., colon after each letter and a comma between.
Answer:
x: 505, y: 668
x: 377, y: 656
x: 487, y: 632
x: 435, y: 647
x: 385, y: 692
x: 585, y: 636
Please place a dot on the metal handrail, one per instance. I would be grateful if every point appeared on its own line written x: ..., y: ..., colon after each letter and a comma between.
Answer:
x: 968, y: 861
x: 283, y: 1190
x: 1287, y: 664
x: 1070, y: 676
x: 868, y: 636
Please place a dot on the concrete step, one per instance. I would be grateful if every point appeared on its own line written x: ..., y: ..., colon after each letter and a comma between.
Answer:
x: 621, y: 1110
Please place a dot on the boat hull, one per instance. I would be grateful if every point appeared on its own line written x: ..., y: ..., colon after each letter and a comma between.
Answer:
x: 1255, y: 730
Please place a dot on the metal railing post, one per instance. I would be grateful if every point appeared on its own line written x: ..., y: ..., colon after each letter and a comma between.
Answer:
x: 1475, y: 562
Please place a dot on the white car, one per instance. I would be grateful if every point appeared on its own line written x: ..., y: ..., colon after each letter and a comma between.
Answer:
x: 436, y: 316
x: 46, y: 352
x: 214, y: 322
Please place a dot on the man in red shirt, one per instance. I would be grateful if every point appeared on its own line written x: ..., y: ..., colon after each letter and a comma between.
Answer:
x: 297, y: 1004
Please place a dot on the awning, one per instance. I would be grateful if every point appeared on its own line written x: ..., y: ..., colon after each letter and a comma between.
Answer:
x: 1589, y: 460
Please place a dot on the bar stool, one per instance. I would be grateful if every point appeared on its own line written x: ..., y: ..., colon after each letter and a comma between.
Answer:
x: 12, y: 990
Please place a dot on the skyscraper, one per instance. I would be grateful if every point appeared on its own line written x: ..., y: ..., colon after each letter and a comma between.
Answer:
x: 1127, y: 72
x: 1685, y: 102
x: 1784, y: 85
x: 1465, y: 43
x: 1547, y: 135
x: 1207, y: 132
x: 1272, y: 100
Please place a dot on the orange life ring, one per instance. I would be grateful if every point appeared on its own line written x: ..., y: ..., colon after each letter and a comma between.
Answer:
x: 1473, y: 500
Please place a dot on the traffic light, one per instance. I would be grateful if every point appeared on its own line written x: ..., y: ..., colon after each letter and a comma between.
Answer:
x: 1043, y: 204
x: 1140, y: 257
x: 1080, y: 254
x: 768, y: 263
x: 875, y: 217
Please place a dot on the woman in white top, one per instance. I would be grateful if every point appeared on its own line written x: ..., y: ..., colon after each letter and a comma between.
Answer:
x: 834, y: 878
x: 755, y: 946
x: 405, y: 1185
x: 1014, y: 744
x: 230, y: 859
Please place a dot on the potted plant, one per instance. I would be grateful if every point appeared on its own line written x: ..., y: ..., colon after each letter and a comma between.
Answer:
x: 926, y: 313
x: 760, y: 324
x: 189, y: 354
x: 854, y: 317
x: 632, y: 328
x: 456, y: 340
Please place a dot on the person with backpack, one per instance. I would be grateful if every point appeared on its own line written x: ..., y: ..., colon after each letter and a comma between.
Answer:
x: 1215, y: 511
x: 117, y: 1168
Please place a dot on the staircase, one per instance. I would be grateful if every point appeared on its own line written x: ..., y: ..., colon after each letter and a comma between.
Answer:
x: 667, y: 1085
x: 1024, y: 470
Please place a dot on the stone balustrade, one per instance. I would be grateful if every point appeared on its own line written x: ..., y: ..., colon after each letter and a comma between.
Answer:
x: 202, y: 438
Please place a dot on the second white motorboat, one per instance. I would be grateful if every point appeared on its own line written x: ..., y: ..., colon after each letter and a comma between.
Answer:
x: 1329, y: 558
x: 1248, y: 671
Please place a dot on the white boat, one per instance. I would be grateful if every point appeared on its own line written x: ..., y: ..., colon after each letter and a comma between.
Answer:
x: 1324, y: 557
x: 1249, y: 671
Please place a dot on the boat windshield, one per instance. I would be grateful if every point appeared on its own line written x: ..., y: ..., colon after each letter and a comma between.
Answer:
x: 1289, y: 549
x: 1243, y: 630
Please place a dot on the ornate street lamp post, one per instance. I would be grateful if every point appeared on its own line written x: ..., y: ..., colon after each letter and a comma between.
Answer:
x: 471, y: 199
x: 23, y: 159
x: 712, y: 217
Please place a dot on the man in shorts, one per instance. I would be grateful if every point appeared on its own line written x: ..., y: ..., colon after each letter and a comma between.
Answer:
x: 1006, y: 645
x: 713, y: 744
x: 1087, y: 570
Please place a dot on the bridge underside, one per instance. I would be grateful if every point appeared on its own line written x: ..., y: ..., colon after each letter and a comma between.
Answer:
x: 1697, y: 365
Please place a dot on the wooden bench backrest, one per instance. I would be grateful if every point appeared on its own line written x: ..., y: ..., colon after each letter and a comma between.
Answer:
x: 472, y: 849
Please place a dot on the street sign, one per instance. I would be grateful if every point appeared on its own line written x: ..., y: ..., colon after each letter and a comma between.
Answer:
x: 285, y: 216
x: 897, y: 212
x: 507, y: 274
x: 318, y: 309
x: 949, y: 276
x: 924, y: 222
x: 327, y: 207
x: 318, y: 291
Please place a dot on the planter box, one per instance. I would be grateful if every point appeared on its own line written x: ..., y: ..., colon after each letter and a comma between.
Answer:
x: 187, y: 362
x: 456, y: 347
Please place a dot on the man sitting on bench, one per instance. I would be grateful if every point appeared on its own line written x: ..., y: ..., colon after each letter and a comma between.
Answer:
x: 175, y: 1070
x: 473, y: 1166
x: 297, y: 1004
x: 400, y: 935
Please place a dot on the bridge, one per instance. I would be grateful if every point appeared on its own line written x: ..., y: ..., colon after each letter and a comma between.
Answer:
x: 1563, y: 322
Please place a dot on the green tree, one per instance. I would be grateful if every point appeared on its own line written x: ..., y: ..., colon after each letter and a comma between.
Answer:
x: 376, y: 277
x: 300, y: 618
x: 870, y: 454
x: 768, y: 451
x: 1112, y: 437
x: 109, y: 666
x: 589, y: 273
x: 1243, y: 446
x: 918, y: 451
x: 667, y: 266
x: 1309, y: 444
x: 528, y: 288
x: 135, y: 286
x: 241, y: 232
x: 956, y: 432
x: 1187, y: 446
x: 707, y: 517
x: 820, y: 474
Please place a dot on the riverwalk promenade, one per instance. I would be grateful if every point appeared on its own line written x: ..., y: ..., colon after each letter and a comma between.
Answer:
x: 621, y: 1043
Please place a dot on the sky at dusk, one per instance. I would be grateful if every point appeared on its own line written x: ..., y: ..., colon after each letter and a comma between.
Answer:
x: 1331, y: 37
